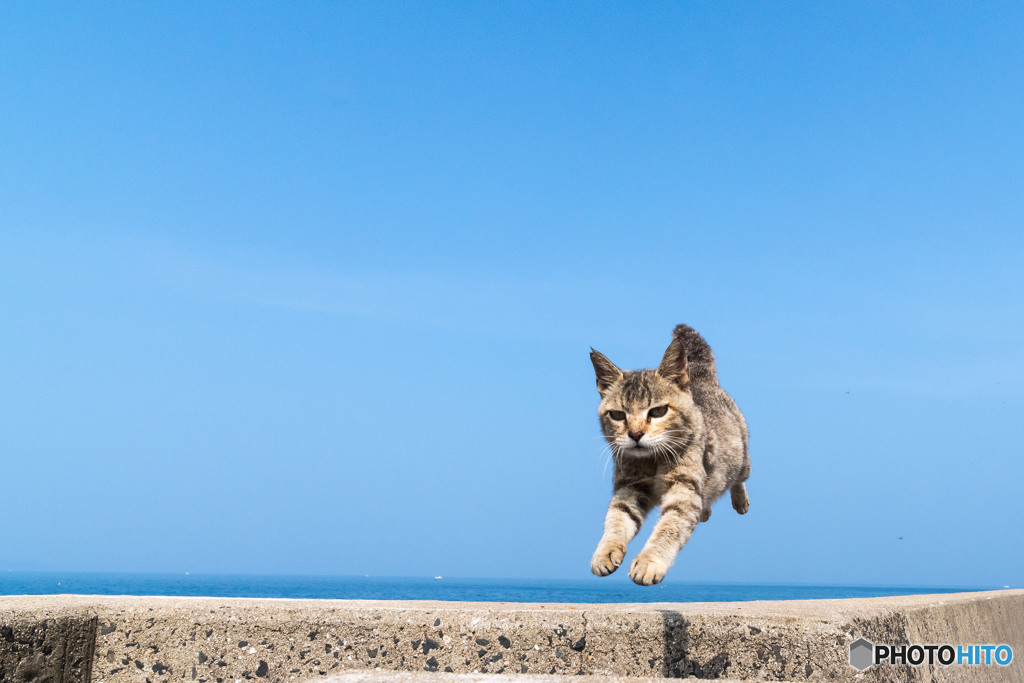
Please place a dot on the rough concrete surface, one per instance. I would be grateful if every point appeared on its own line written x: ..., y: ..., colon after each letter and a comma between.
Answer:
x: 224, y: 640
x: 46, y: 647
x: 382, y: 676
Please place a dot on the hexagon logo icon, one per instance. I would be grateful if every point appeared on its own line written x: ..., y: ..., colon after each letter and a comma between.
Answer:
x: 862, y: 654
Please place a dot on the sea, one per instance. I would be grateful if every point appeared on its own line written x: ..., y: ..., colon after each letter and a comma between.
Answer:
x: 434, y: 588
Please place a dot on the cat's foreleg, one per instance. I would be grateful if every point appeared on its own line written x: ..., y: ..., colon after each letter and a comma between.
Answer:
x: 681, y: 508
x: 626, y: 513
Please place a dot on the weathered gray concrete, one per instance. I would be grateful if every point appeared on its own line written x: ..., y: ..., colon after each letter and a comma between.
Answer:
x: 46, y: 646
x: 223, y: 640
x: 383, y: 676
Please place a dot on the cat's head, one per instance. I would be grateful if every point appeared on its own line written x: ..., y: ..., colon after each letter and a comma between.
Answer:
x: 646, y: 412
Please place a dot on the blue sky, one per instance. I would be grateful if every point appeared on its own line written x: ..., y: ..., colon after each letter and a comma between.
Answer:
x: 310, y: 288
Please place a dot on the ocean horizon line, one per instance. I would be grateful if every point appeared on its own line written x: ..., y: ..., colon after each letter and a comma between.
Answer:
x: 516, y: 579
x: 455, y: 589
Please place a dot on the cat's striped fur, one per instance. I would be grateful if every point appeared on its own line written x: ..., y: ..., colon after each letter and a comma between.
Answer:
x: 678, y: 441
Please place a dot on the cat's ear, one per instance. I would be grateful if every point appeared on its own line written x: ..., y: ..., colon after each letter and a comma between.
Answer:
x: 673, y: 365
x: 606, y: 371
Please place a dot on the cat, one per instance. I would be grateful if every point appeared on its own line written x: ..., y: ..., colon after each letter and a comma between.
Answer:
x: 679, y: 441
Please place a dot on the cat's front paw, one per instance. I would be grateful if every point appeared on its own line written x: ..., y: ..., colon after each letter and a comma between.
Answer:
x: 607, y: 558
x: 648, y: 570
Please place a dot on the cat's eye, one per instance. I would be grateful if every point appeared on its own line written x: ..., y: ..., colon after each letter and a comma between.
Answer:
x: 617, y: 415
x: 657, y: 412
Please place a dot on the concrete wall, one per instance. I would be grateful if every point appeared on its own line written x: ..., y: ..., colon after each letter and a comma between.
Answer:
x: 223, y: 640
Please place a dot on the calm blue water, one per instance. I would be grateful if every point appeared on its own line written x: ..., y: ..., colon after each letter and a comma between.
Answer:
x: 378, y: 588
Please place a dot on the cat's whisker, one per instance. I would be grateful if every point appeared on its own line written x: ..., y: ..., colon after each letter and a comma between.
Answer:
x: 610, y: 450
x: 669, y: 449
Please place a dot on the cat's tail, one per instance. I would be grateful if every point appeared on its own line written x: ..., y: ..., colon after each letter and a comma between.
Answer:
x: 699, y: 358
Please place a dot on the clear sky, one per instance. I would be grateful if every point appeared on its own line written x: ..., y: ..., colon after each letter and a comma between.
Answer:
x: 311, y: 287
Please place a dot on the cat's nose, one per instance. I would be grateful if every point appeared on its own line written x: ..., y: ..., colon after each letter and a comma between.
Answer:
x: 636, y: 436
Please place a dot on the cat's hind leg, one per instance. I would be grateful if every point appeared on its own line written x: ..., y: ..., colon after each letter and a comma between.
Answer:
x: 740, y: 501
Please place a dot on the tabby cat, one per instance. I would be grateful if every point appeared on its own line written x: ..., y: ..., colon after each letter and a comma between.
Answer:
x: 678, y: 441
